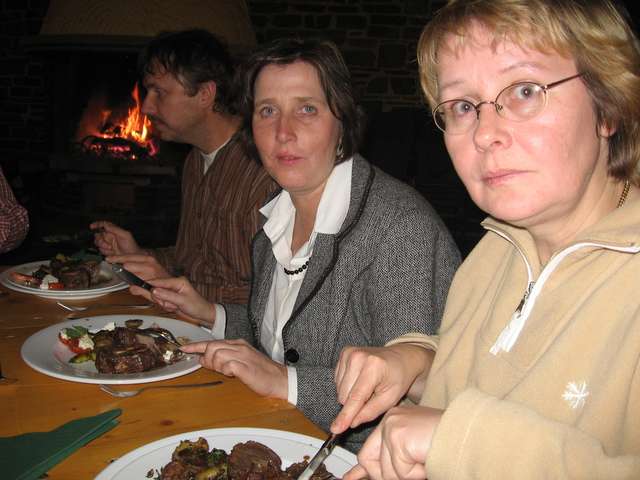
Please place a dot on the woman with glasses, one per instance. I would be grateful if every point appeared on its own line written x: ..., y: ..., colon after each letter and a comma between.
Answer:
x: 535, y: 372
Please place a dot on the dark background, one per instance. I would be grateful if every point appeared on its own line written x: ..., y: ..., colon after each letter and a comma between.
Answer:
x: 377, y: 37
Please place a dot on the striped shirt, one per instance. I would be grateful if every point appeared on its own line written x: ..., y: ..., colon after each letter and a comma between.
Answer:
x: 14, y: 220
x: 219, y: 217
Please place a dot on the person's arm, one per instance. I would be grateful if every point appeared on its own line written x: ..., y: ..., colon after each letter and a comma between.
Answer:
x: 483, y: 437
x: 405, y: 292
x: 14, y: 220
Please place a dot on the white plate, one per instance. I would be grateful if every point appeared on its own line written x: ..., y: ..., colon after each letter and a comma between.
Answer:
x: 43, y: 352
x: 291, y: 447
x: 111, y: 284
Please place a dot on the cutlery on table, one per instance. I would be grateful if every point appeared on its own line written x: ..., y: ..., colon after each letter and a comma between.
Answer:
x: 77, y: 308
x: 133, y: 393
x: 319, y: 458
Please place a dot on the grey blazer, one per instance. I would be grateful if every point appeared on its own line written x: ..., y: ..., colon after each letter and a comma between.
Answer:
x: 385, y: 273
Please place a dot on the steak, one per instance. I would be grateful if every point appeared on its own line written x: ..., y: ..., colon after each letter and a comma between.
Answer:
x: 74, y: 278
x: 295, y: 469
x: 254, y: 461
x: 131, y: 350
x: 74, y: 274
x: 131, y: 359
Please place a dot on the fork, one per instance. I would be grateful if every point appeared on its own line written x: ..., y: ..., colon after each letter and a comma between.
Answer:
x: 133, y: 393
x: 76, y: 308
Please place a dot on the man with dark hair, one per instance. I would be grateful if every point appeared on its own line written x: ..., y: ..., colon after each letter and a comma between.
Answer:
x: 188, y: 78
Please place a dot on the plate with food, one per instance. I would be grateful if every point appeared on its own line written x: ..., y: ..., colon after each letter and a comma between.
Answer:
x: 228, y: 453
x: 63, y: 278
x: 114, y: 349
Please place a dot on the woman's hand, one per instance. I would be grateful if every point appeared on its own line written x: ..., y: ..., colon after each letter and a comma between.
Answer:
x: 177, y: 295
x: 398, y: 447
x: 236, y: 358
x: 113, y: 240
x: 372, y: 380
x: 144, y: 266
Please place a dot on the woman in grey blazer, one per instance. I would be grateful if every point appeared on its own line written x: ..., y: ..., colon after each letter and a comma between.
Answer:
x: 347, y: 255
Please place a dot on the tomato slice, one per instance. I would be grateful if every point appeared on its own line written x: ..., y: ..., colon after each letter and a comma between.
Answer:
x: 72, y: 344
x: 56, y: 286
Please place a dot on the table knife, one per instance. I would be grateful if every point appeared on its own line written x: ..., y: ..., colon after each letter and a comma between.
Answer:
x: 319, y: 458
x: 129, y: 277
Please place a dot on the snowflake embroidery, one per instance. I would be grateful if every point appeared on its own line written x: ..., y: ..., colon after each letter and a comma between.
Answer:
x: 576, y: 394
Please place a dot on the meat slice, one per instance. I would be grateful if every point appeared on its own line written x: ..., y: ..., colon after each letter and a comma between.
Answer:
x: 294, y: 470
x: 254, y: 461
x: 132, y: 359
x: 175, y: 470
x: 74, y: 278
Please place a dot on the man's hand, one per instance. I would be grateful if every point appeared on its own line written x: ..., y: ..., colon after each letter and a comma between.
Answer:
x: 236, y: 358
x: 177, y: 295
x: 145, y: 266
x: 113, y: 240
x: 371, y: 380
x: 398, y: 447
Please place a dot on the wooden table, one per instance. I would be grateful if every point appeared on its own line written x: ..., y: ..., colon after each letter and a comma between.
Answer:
x: 37, y: 402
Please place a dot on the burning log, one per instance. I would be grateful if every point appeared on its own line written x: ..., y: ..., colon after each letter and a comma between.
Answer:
x: 114, y: 148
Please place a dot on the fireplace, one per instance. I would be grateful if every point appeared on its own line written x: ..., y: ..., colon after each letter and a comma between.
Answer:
x: 105, y: 162
x: 98, y: 168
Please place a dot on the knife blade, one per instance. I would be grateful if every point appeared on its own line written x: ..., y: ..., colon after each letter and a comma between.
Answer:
x: 129, y: 277
x: 319, y: 458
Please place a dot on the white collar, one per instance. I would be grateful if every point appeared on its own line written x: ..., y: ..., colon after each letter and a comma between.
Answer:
x: 210, y: 157
x: 332, y: 209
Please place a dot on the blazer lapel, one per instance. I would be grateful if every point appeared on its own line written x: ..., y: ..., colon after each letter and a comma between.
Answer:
x: 264, y: 263
x: 325, y: 250
x: 321, y: 263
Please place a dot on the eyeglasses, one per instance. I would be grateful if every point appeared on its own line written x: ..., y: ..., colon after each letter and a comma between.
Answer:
x: 518, y: 102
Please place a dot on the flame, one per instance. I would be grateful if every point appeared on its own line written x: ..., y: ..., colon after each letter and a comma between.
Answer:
x: 136, y: 127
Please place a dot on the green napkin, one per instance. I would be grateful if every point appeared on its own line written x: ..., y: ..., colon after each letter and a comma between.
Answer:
x: 28, y: 456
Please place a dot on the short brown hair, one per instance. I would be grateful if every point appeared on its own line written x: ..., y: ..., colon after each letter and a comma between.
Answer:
x: 194, y: 57
x: 334, y: 76
x: 596, y: 34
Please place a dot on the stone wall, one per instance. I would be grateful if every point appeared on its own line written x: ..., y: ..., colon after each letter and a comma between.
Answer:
x: 377, y: 37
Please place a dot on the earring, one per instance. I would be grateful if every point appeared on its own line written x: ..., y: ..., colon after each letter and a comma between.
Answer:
x: 339, y: 150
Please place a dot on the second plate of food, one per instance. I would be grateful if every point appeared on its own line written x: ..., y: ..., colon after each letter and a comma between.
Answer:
x: 107, y: 282
x: 148, y: 460
x: 45, y: 352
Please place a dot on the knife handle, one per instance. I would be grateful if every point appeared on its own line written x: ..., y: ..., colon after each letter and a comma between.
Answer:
x: 129, y: 277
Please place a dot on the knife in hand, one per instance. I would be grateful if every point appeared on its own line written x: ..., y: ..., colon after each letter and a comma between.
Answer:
x: 129, y: 277
x: 319, y: 458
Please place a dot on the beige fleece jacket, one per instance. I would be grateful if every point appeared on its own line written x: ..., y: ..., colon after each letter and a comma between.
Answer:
x: 564, y: 401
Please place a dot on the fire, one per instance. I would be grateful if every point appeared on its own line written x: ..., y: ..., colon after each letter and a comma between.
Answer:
x: 121, y: 133
x: 135, y: 127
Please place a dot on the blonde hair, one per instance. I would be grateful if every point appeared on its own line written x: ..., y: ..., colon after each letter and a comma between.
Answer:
x: 596, y: 34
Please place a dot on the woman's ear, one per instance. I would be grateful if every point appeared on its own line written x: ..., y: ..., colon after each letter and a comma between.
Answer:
x: 605, y: 129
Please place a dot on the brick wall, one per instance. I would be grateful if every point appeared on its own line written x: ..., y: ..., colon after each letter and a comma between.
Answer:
x: 377, y: 37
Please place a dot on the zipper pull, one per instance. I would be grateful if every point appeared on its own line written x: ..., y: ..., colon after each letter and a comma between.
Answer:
x: 524, y: 298
x: 507, y: 337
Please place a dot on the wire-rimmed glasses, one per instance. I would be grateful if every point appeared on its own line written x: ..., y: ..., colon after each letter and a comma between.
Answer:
x: 518, y: 102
